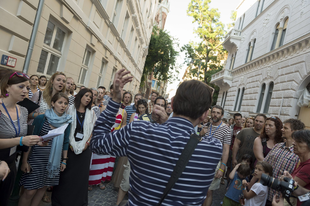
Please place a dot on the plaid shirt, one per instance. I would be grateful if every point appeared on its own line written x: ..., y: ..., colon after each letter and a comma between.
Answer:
x: 150, y: 107
x: 282, y: 159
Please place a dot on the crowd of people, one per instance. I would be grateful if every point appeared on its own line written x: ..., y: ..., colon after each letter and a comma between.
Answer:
x: 135, y: 143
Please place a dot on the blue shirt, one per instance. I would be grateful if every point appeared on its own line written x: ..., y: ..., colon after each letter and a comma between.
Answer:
x: 130, y: 110
x: 153, y: 150
x: 235, y: 188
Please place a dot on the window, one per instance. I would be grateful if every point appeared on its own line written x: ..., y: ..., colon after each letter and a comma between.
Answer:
x: 112, y: 76
x: 258, y: 3
x: 241, y: 98
x: 242, y: 21
x: 283, y: 32
x: 225, y: 99
x: 153, y: 83
x: 85, y: 66
x: 102, y: 71
x: 252, y: 49
x: 130, y: 38
x: 261, y: 10
x: 52, y: 49
x: 236, y: 102
x: 261, y: 97
x: 268, y: 99
x: 275, y: 37
x: 125, y: 25
x: 117, y: 11
x: 248, y: 52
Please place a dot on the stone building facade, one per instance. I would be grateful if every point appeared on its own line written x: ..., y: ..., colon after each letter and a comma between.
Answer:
x: 268, y: 66
x: 88, y: 40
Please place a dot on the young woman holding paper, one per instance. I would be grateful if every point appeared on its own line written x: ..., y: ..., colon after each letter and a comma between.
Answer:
x: 72, y: 188
x: 13, y: 126
x: 43, y: 166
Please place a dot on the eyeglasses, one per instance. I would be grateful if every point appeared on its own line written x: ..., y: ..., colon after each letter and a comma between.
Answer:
x: 19, y: 74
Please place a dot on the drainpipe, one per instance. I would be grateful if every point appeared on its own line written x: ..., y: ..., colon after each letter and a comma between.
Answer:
x: 33, y: 36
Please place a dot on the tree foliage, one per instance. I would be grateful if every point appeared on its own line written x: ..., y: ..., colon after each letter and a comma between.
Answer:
x: 208, y: 53
x: 161, y: 58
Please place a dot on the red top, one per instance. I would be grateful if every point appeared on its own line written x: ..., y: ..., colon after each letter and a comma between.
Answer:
x: 302, y: 171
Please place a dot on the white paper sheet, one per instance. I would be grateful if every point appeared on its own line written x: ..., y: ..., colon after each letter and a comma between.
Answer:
x: 55, y: 132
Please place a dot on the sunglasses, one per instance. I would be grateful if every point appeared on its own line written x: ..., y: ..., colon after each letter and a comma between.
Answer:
x: 19, y: 74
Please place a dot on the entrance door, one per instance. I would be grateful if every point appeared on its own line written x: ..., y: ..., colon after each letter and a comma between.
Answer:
x: 304, y: 116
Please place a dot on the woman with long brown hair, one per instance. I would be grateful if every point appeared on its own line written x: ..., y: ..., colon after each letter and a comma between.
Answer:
x: 271, y: 135
x: 13, y: 126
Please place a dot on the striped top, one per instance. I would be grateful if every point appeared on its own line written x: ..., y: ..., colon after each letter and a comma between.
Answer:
x: 153, y: 150
x: 130, y: 109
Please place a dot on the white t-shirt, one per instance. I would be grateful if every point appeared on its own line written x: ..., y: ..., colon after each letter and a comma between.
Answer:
x: 261, y: 192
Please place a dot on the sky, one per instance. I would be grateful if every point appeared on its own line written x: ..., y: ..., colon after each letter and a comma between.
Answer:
x: 180, y: 26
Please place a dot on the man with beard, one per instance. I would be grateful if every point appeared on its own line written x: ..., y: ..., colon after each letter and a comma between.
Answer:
x: 169, y: 109
x: 127, y: 98
x: 69, y: 85
x: 245, y: 140
x: 101, y: 93
x: 222, y: 132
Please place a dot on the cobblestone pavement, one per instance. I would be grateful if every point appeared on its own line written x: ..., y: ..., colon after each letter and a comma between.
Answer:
x: 108, y: 197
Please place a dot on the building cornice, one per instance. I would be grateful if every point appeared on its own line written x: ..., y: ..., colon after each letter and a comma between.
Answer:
x: 291, y: 49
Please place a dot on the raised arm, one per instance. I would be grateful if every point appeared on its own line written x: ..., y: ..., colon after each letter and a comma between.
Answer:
x: 258, y: 149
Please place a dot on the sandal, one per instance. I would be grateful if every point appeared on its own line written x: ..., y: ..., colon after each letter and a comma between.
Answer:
x: 46, y: 198
x: 101, y: 186
x: 90, y: 188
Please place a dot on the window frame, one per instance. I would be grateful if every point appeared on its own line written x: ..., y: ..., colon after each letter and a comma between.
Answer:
x: 85, y: 67
x: 268, y: 97
x: 103, y: 69
x: 261, y: 98
x: 51, y: 51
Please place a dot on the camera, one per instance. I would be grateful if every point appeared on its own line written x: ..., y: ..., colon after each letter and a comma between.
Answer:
x: 286, y: 187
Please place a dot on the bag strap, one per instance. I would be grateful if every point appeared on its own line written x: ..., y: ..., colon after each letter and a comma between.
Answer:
x: 40, y: 94
x: 181, y: 164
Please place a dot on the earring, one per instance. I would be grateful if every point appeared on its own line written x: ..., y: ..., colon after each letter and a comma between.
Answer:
x: 7, y: 94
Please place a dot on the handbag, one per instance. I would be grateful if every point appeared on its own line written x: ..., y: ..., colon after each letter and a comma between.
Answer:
x: 181, y: 164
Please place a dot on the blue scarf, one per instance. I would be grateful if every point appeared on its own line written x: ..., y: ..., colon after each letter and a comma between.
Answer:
x: 53, y: 166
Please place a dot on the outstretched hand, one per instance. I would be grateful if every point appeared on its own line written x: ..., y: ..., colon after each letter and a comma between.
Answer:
x: 120, y: 80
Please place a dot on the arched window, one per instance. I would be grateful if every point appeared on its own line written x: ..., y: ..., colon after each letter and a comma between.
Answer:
x: 283, y: 32
x: 223, y: 96
x: 252, y: 49
x: 248, y: 52
x: 241, y: 98
x: 225, y: 99
x: 269, y: 95
x: 236, y: 102
x: 275, y: 37
x: 261, y: 97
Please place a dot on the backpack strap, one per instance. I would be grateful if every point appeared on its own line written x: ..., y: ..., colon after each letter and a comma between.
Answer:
x: 181, y: 164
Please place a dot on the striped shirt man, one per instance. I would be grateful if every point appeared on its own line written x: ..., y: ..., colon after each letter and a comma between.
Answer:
x: 153, y: 150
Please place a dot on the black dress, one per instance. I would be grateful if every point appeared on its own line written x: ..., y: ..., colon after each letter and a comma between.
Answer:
x: 73, y: 182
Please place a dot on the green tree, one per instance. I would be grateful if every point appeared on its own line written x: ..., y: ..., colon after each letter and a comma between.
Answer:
x: 233, y: 18
x: 208, y: 54
x: 161, y: 58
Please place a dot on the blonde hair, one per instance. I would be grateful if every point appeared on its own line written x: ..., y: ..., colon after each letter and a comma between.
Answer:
x: 48, y: 91
x: 247, y: 120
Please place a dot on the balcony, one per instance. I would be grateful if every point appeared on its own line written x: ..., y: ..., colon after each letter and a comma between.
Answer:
x: 232, y: 39
x: 221, y: 78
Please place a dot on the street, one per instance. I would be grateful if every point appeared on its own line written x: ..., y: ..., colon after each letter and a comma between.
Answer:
x: 108, y: 197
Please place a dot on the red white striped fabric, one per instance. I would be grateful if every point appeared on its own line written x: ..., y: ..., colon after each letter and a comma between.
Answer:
x: 101, y: 168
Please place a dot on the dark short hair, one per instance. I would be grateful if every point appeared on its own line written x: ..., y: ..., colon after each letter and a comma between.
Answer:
x: 160, y: 97
x: 248, y: 158
x: 111, y: 87
x: 7, y: 81
x: 42, y: 76
x: 78, y: 97
x: 261, y: 115
x: 295, y: 124
x: 302, y: 136
x: 237, y: 115
x: 58, y: 95
x: 279, y: 125
x: 266, y: 167
x: 101, y: 87
x: 144, y: 102
x: 138, y: 95
x: 155, y: 93
x: 224, y: 120
x: 218, y: 107
x: 192, y: 99
x: 125, y: 94
x: 244, y: 170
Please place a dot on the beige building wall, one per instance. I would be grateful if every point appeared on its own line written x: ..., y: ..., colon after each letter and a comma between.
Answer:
x: 89, y: 39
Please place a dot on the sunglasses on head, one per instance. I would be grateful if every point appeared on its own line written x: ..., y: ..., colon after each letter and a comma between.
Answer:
x: 19, y: 74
